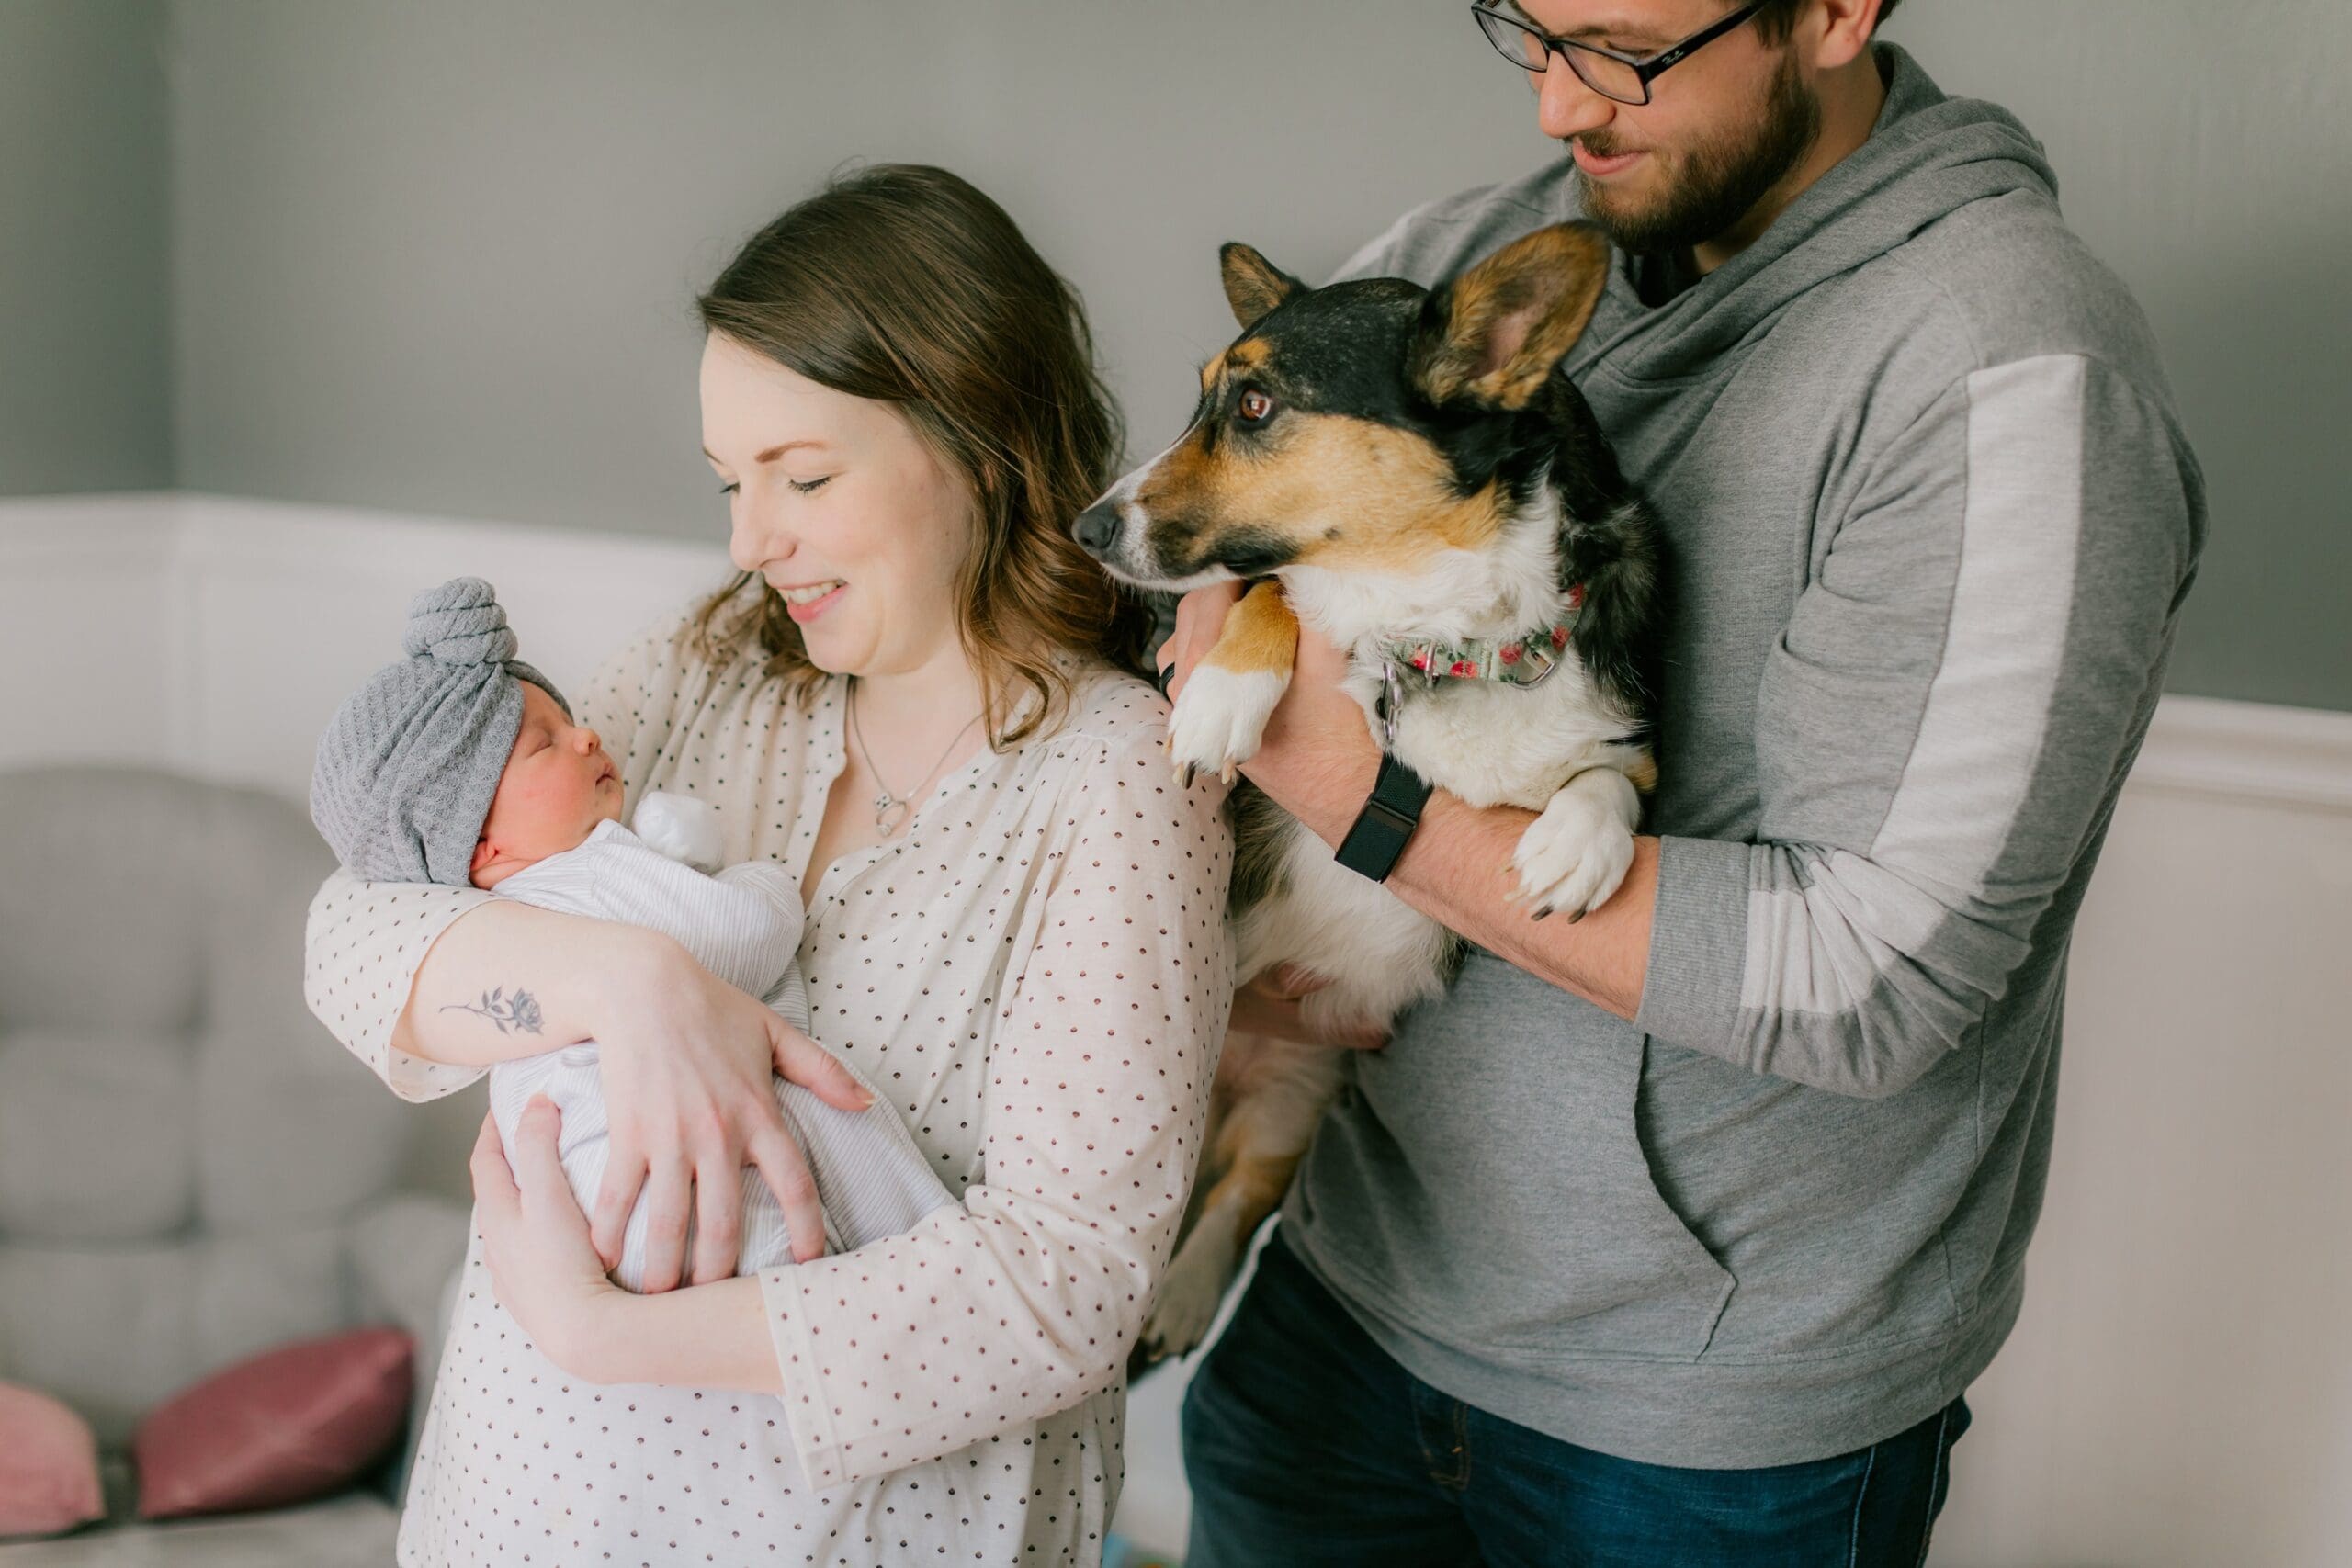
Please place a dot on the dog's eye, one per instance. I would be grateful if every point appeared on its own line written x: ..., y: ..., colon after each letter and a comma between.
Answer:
x: 1255, y: 407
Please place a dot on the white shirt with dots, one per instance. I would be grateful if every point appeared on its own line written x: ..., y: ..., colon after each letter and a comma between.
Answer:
x: 1035, y: 972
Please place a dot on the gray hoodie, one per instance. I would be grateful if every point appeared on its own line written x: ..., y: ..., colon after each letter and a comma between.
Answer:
x: 1933, y: 517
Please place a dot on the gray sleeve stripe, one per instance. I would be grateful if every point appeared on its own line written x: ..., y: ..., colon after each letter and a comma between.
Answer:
x: 1989, y: 704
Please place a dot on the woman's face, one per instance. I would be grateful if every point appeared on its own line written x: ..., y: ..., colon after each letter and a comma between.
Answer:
x: 841, y: 507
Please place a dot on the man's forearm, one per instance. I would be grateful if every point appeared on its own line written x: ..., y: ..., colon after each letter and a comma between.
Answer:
x: 1456, y: 869
x: 508, y: 980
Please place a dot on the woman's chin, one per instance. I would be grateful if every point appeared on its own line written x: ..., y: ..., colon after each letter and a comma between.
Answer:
x: 831, y: 653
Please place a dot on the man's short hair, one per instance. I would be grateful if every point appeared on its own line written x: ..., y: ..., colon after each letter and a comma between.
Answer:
x: 1777, y: 18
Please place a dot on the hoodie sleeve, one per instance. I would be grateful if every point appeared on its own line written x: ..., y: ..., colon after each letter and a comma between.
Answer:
x: 1967, y: 673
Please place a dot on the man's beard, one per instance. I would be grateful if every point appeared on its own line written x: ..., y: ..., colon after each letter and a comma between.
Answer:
x: 1721, y: 179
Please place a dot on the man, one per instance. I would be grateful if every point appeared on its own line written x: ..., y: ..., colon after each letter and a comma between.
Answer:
x: 1674, y: 1235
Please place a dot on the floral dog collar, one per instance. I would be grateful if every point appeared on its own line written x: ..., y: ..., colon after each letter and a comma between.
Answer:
x: 1518, y: 661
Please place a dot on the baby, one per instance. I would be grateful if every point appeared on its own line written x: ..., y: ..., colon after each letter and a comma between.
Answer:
x: 460, y: 764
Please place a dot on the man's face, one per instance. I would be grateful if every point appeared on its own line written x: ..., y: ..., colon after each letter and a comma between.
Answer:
x: 1724, y: 125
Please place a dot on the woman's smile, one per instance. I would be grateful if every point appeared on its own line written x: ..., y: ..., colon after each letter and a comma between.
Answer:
x: 805, y: 604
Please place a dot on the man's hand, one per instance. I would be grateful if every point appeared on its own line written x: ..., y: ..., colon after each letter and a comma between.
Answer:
x: 1269, y: 1005
x: 1317, y: 759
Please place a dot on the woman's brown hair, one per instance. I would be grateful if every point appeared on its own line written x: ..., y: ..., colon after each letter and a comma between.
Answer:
x: 903, y: 283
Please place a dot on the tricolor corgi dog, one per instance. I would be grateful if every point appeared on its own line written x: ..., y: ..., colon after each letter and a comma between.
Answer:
x: 1409, y: 473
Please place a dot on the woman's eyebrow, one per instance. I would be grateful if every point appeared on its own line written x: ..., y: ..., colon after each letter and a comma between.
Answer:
x: 773, y: 453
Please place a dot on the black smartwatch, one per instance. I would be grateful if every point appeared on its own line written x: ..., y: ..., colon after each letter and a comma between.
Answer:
x: 1385, y: 822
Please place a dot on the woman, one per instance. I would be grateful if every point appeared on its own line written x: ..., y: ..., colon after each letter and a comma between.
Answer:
x: 919, y: 695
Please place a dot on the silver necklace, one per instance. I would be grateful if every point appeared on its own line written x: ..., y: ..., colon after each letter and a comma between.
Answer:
x: 892, y: 809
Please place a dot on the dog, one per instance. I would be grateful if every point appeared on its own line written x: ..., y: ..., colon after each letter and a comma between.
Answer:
x: 1409, y: 473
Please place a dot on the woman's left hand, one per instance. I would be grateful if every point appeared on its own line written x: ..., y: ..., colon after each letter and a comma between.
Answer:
x: 535, y: 1240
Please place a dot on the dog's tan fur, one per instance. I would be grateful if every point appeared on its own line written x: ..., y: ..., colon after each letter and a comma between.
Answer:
x: 1260, y: 634
x: 1349, y: 494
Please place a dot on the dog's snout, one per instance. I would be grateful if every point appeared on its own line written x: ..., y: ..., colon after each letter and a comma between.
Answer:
x: 1097, y: 527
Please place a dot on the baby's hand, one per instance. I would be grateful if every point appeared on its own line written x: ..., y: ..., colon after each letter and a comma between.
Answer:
x: 681, y: 827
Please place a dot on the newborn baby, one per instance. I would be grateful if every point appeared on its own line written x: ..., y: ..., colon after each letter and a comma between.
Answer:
x: 461, y: 764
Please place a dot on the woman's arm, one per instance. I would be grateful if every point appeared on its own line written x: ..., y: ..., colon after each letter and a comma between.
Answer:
x: 547, y: 1274
x: 519, y: 980
x: 427, y: 987
x: 1025, y: 1299
x: 377, y: 974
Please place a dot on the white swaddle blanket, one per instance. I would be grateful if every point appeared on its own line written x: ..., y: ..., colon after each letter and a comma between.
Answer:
x: 743, y: 924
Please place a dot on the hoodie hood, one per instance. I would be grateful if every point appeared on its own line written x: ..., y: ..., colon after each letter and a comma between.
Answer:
x: 1928, y: 156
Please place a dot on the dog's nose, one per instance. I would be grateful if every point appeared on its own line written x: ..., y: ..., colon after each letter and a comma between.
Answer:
x: 1096, y: 527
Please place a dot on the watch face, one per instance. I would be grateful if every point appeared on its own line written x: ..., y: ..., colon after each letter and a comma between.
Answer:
x: 1389, y: 815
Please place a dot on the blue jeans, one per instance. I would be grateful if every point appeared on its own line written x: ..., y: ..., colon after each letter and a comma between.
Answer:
x: 1306, y: 1444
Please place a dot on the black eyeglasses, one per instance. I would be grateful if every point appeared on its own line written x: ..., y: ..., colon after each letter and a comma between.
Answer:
x: 1611, y: 73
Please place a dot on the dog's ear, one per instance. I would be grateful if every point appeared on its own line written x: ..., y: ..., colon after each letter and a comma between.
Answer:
x: 1493, y: 334
x: 1253, y: 285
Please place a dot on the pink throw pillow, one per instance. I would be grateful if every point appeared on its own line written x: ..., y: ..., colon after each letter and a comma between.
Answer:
x: 48, y: 1465
x: 281, y: 1427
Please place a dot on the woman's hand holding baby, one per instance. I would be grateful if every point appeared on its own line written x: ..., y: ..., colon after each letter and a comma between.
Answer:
x: 546, y: 1273
x: 535, y: 1239
x: 686, y: 1064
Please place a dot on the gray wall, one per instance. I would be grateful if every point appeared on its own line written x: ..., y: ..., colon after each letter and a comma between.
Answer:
x: 85, y: 219
x: 438, y: 257
x: 2205, y: 152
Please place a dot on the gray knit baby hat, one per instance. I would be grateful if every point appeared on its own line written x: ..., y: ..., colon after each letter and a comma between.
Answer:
x: 408, y: 765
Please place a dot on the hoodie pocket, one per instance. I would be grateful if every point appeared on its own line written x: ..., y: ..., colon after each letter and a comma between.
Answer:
x: 1492, y: 1189
x: 1634, y: 1281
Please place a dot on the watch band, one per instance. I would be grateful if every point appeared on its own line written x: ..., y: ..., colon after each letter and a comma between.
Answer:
x: 1386, y: 821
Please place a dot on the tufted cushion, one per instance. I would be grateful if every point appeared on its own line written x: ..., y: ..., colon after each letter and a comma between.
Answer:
x: 287, y: 1426
x: 183, y: 1148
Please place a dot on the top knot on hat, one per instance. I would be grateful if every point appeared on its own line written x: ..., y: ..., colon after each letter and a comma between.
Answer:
x: 408, y: 766
x: 461, y: 622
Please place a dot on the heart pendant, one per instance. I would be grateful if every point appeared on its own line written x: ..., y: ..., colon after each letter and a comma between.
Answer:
x: 890, y: 814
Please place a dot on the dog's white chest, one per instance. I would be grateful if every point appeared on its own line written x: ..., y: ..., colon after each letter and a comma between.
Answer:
x: 1492, y: 743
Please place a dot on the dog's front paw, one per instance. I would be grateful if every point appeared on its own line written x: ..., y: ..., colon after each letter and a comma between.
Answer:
x: 1189, y: 1297
x: 1573, y: 857
x: 1220, y: 718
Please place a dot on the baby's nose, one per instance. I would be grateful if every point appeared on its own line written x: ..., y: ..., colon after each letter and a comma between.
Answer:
x: 590, y: 740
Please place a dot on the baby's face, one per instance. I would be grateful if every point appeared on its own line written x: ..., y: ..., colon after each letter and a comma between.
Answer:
x: 559, y: 784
